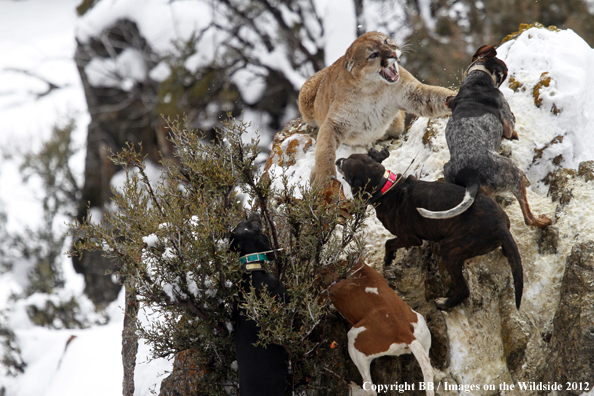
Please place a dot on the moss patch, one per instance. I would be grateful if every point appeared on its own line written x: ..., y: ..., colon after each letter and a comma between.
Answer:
x: 278, y: 153
x: 544, y: 81
x: 430, y: 132
x: 525, y: 26
x: 515, y: 85
x: 539, y: 152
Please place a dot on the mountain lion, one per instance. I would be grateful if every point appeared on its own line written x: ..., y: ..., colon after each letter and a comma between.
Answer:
x: 361, y: 97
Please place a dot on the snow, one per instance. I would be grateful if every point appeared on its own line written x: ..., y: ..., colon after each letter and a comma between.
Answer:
x: 123, y: 72
x: 44, y: 48
x: 337, y: 38
x: 528, y: 57
x: 38, y: 36
x: 75, y: 362
x: 177, y: 21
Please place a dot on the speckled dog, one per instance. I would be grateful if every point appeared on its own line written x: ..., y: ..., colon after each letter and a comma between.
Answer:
x: 481, y: 117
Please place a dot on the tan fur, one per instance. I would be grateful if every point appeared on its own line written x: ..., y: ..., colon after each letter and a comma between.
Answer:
x: 353, y: 104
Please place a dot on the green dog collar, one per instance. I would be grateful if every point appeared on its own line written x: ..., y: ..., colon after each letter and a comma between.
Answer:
x: 253, y: 258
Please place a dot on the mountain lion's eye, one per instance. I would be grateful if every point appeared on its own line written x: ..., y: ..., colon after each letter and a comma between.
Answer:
x: 374, y: 55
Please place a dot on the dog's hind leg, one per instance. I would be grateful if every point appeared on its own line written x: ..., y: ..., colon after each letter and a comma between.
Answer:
x: 362, y: 361
x: 519, y: 191
x: 420, y: 349
x: 510, y: 178
x: 459, y: 291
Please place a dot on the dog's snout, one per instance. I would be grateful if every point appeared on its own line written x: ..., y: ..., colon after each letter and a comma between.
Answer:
x: 339, y: 162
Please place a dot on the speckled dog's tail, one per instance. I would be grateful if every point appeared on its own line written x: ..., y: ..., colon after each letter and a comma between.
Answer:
x: 467, y: 178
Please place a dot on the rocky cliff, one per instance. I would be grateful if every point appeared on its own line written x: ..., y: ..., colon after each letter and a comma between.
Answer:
x: 486, y: 346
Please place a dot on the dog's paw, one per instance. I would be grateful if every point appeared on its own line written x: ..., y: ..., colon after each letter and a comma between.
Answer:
x: 449, y: 101
x: 541, y: 221
x: 514, y: 136
x: 442, y: 303
x: 545, y: 221
x: 388, y: 258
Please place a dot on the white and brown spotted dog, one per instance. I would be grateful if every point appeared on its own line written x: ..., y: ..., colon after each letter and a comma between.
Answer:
x: 383, y: 324
x: 361, y: 97
x: 481, y: 117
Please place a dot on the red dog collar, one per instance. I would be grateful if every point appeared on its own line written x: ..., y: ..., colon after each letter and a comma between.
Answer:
x: 391, y: 180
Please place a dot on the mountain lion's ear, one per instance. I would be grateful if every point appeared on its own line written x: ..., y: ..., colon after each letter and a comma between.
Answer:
x: 349, y: 64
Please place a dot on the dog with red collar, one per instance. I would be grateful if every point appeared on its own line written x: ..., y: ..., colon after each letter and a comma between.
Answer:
x: 262, y: 371
x: 481, y: 229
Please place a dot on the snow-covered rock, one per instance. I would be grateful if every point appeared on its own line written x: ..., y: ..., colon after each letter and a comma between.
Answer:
x: 485, y: 341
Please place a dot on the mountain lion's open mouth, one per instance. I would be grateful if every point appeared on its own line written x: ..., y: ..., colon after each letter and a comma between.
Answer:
x: 390, y: 73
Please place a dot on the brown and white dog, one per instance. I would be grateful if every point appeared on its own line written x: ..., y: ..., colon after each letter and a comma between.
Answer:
x: 383, y: 324
x: 481, y: 117
x: 477, y: 231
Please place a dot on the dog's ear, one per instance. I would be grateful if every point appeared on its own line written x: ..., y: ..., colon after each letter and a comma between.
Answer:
x: 255, y: 218
x: 378, y: 156
x: 497, y: 68
x: 485, y: 51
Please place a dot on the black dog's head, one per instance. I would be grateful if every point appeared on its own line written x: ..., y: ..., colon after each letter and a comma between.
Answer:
x: 486, y: 56
x: 248, y: 238
x: 363, y: 172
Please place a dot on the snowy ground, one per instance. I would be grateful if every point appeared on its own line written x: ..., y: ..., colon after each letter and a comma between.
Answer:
x: 37, y: 45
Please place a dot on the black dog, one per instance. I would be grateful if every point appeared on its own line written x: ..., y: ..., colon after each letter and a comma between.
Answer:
x: 262, y: 371
x: 481, y: 117
x: 479, y: 230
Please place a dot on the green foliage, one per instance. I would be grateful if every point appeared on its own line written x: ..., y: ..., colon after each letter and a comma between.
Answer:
x: 197, y: 92
x: 171, y: 238
x: 40, y: 249
x: 57, y: 314
x: 59, y: 193
x: 10, y: 355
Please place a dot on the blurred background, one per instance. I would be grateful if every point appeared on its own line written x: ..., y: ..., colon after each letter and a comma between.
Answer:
x: 79, y: 78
